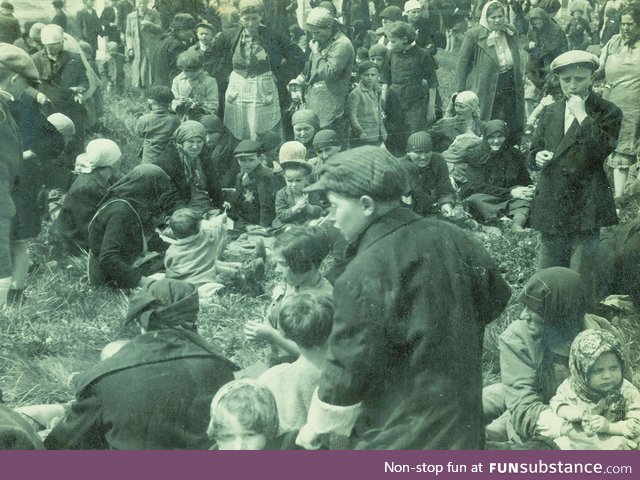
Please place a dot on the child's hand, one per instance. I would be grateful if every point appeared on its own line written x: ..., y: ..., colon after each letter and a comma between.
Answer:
x: 571, y: 414
x: 257, y: 331
x: 301, y: 203
x: 596, y: 424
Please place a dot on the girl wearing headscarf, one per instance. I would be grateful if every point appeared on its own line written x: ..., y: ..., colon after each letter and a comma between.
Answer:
x: 489, y: 64
x: 498, y: 182
x: 187, y: 165
x: 462, y: 116
x: 534, y: 355
x: 598, y: 408
x: 154, y: 392
x: 96, y: 169
x: 119, y: 230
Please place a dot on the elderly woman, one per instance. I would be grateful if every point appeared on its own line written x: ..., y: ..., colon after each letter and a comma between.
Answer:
x: 462, y: 116
x: 489, y: 64
x: 534, y: 354
x: 154, y: 392
x: 261, y: 62
x: 497, y: 179
x: 96, y: 169
x: 620, y: 64
x: 120, y: 229
x: 142, y: 32
x: 189, y: 167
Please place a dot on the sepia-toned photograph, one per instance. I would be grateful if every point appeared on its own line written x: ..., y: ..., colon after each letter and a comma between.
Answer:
x: 320, y: 225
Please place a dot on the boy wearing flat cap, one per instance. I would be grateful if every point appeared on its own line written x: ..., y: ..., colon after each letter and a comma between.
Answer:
x: 195, y: 92
x: 254, y: 199
x: 17, y: 70
x: 573, y: 199
x: 405, y: 351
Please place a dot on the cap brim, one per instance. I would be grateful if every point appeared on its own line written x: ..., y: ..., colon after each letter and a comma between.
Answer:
x: 318, y: 186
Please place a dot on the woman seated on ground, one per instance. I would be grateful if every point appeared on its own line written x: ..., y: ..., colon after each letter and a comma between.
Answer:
x: 96, y: 169
x: 220, y: 143
x: 120, y: 233
x: 154, y: 392
x: 462, y: 115
x: 498, y: 182
x: 534, y: 355
x: 189, y: 169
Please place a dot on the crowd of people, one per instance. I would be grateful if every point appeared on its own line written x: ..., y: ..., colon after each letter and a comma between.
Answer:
x: 297, y: 131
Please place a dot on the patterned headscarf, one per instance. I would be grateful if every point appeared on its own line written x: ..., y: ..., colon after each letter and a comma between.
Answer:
x: 586, y: 349
x: 188, y: 130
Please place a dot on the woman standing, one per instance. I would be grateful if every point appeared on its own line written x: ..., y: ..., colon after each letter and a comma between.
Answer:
x: 620, y: 64
x: 118, y: 231
x: 489, y: 64
x: 142, y: 32
x: 261, y: 62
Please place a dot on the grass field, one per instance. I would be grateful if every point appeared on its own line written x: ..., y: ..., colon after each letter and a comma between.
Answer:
x: 65, y: 322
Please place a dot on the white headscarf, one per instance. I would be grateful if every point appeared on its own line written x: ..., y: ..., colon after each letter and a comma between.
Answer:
x: 101, y: 152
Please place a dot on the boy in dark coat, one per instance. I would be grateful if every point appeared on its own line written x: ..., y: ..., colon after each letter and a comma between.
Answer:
x: 405, y: 350
x: 154, y: 393
x: 573, y: 199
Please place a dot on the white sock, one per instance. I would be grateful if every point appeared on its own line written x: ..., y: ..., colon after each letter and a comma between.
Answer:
x: 5, y: 286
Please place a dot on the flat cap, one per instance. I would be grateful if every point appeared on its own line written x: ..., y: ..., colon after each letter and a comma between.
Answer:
x: 18, y: 61
x: 183, y: 21
x: 247, y: 148
x: 366, y: 170
x: 189, y: 60
x: 575, y: 57
x: 392, y: 13
x: 325, y: 138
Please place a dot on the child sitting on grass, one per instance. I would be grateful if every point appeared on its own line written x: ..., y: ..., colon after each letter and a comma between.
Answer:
x: 292, y: 205
x: 157, y: 127
x: 306, y: 320
x: 599, y: 408
x: 244, y: 416
x: 298, y: 253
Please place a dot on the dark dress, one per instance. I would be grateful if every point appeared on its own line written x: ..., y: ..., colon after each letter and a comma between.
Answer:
x: 430, y: 186
x: 153, y: 394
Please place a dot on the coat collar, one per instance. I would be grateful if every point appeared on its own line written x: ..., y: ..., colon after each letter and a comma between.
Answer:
x: 381, y: 227
x: 569, y: 138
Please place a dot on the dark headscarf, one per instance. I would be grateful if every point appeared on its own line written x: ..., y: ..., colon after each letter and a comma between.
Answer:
x: 560, y: 296
x: 147, y: 188
x: 188, y: 130
x: 165, y: 304
x: 550, y: 39
x: 587, y: 347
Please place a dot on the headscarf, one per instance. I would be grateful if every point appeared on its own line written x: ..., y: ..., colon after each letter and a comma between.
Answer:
x: 586, y: 349
x: 306, y: 116
x: 495, y: 126
x: 466, y: 97
x: 166, y: 303
x: 508, y: 29
x: 320, y: 17
x: 560, y: 296
x: 63, y: 124
x: 188, y: 130
x: 101, y: 152
x: 147, y: 188
x: 551, y: 38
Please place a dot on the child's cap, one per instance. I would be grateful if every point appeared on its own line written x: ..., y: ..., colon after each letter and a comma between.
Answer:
x: 206, y: 25
x: 419, y: 142
x: 575, y: 57
x: 366, y: 65
x: 212, y: 123
x: 325, y: 138
x: 291, y: 151
x: 160, y: 94
x: 412, y: 5
x: 306, y: 116
x: 189, y: 61
x: 378, y: 50
x: 362, y: 53
x: 366, y: 170
x: 392, y: 13
x: 248, y: 148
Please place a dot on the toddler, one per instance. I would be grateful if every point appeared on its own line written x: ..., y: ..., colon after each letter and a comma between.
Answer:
x: 292, y: 205
x: 244, y: 416
x: 157, y: 127
x: 599, y: 408
x: 298, y: 253
x: 306, y: 320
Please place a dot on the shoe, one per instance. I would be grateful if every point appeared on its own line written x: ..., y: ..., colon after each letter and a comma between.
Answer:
x: 260, y: 250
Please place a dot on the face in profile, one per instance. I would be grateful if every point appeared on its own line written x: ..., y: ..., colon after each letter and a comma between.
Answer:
x: 348, y: 214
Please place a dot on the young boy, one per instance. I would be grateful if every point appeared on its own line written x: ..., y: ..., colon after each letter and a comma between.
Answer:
x: 305, y: 319
x: 254, y: 199
x: 113, y: 70
x: 292, y: 205
x: 326, y: 144
x: 195, y: 92
x: 405, y: 349
x: 365, y: 109
x: 431, y: 191
x: 578, y: 31
x: 157, y: 127
x: 377, y: 53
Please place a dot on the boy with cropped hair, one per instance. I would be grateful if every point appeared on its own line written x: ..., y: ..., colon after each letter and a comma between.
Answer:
x: 305, y: 319
x: 157, y: 127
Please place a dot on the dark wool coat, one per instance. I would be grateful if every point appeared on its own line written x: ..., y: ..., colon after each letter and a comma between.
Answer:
x: 410, y: 312
x: 153, y: 394
x: 430, y: 186
x: 254, y: 203
x: 478, y: 70
x: 163, y: 59
x: 573, y: 194
x: 89, y: 26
